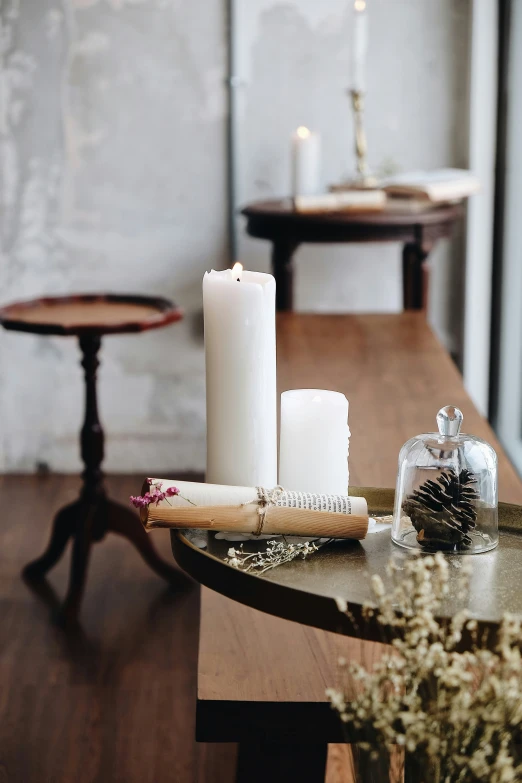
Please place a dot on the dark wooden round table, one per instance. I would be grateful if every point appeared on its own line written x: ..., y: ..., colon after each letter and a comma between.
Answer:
x: 305, y: 591
x: 88, y: 519
x: 286, y: 228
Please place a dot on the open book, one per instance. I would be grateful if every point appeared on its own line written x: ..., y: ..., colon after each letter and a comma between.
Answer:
x: 436, y: 186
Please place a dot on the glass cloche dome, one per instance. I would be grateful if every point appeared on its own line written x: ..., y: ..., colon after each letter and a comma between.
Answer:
x: 446, y: 495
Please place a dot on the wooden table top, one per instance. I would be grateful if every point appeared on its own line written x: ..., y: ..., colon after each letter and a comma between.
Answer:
x: 396, y: 376
x: 282, y: 210
x: 80, y: 314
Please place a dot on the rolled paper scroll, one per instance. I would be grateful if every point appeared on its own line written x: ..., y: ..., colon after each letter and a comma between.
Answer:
x: 257, y: 511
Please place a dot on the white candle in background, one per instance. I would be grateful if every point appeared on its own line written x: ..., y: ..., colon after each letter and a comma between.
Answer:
x: 240, y: 351
x: 313, y: 453
x: 306, y: 162
x: 359, y: 45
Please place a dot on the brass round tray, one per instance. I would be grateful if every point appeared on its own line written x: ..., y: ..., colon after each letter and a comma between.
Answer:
x: 305, y: 590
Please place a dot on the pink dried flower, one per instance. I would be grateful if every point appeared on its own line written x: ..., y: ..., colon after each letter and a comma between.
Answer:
x: 140, y: 501
x: 156, y: 496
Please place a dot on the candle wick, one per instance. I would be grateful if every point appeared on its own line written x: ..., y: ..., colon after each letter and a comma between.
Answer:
x: 238, y: 279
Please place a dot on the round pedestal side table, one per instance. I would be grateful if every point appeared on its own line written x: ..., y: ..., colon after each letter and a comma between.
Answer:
x: 278, y: 222
x: 93, y: 514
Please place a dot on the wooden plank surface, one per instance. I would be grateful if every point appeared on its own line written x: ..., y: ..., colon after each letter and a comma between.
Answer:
x: 396, y: 377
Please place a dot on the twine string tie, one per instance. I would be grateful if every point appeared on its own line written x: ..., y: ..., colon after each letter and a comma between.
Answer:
x: 266, y: 498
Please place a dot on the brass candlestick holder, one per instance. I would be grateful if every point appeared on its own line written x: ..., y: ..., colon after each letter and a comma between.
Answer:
x: 363, y: 180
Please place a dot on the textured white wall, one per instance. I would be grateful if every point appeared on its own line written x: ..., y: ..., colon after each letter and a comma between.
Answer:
x: 112, y: 140
x: 112, y: 156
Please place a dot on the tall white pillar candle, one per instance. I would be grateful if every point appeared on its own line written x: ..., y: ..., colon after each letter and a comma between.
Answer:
x: 359, y: 46
x: 306, y: 163
x: 314, y: 441
x: 240, y: 351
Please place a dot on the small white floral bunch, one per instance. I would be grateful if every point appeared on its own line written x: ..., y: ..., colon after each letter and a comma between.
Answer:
x: 458, y: 715
x: 275, y: 554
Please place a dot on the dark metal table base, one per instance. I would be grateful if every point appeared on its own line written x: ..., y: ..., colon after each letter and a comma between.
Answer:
x: 89, y: 518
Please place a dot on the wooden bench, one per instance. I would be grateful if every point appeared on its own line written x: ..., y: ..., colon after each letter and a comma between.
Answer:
x: 262, y: 680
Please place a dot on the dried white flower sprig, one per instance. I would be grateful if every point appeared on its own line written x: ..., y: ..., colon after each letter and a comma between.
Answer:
x: 276, y: 553
x: 457, y: 714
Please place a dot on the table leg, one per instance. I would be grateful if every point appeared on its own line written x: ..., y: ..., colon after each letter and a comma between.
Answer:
x: 91, y: 437
x: 415, y: 276
x: 261, y: 761
x: 415, y: 769
x: 64, y: 526
x: 79, y: 561
x: 283, y: 271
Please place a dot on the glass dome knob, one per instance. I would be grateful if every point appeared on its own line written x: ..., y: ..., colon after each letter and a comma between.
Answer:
x: 449, y: 421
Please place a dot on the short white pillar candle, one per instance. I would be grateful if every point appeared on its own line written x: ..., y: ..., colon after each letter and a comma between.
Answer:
x: 314, y: 441
x: 306, y: 162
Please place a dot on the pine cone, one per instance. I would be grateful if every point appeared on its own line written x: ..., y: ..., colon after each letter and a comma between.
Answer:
x: 443, y: 511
